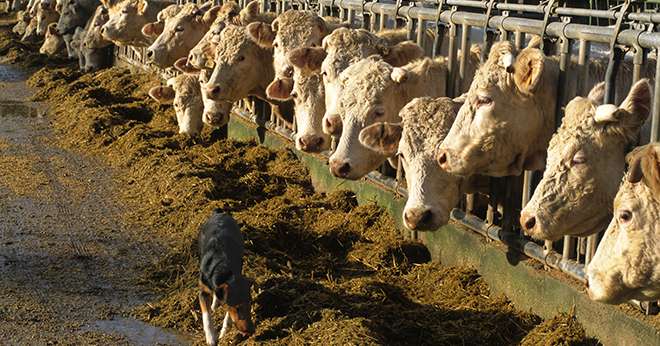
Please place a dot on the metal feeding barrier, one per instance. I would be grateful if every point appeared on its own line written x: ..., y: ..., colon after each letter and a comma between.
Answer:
x: 611, y: 30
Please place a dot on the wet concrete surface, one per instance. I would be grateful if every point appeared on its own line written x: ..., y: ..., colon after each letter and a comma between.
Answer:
x: 69, y: 267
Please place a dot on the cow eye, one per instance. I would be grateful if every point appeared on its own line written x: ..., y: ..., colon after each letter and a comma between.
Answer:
x: 294, y: 94
x: 241, y: 58
x: 579, y: 158
x: 483, y: 101
x: 625, y: 216
x: 276, y: 44
x: 178, y: 28
x: 379, y: 113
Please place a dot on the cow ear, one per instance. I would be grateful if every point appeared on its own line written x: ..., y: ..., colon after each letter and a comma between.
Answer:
x: 309, y: 58
x: 638, y: 101
x: 182, y: 65
x: 141, y: 7
x: 382, y: 138
x: 459, y: 101
x: 535, y: 42
x: 644, y: 164
x: 403, y: 53
x: 251, y: 10
x: 628, y: 118
x: 280, y: 89
x: 210, y: 15
x: 528, y: 70
x: 153, y: 29
x: 323, y: 27
x: 162, y: 94
x: 262, y: 34
x: 597, y: 93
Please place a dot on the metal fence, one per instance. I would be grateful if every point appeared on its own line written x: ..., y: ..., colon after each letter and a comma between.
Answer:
x: 570, y: 29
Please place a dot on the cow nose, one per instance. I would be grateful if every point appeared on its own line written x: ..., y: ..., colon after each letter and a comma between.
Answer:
x: 332, y: 125
x: 310, y: 143
x: 340, y: 169
x: 527, y: 221
x: 417, y: 218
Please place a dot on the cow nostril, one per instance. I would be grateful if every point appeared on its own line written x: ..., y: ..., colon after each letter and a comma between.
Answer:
x: 442, y: 159
x: 215, y: 90
x: 150, y: 53
x: 103, y: 30
x: 587, y: 283
x: 340, y: 169
x: 426, y: 217
x: 530, y: 223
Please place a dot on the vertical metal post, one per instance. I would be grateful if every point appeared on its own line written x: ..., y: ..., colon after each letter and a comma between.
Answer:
x: 569, y: 247
x: 655, y: 121
x: 616, y: 56
x: 465, y: 34
x: 420, y: 32
x: 382, y: 21
x: 451, y: 60
x: 519, y: 39
x: 373, y: 18
x: 351, y: 17
x: 410, y: 27
x: 591, y: 248
x: 583, y: 69
x: 638, y: 59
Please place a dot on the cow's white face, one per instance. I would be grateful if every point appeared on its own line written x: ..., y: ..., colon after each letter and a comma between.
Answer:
x: 627, y: 262
x: 585, y: 165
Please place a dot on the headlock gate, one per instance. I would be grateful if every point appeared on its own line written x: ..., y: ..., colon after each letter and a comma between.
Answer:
x: 571, y: 30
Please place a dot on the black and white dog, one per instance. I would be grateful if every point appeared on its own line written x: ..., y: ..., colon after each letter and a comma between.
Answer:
x: 220, y: 276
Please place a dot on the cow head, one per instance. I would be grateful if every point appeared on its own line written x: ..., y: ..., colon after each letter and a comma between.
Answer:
x: 627, y: 262
x: 585, y: 164
x: 508, y: 116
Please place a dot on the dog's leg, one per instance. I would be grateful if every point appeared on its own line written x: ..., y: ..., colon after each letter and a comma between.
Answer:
x: 226, y: 325
x: 209, y: 329
x: 216, y: 303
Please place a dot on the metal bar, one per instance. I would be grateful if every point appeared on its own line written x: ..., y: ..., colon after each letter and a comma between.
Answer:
x: 655, y: 121
x: 519, y: 39
x: 591, y: 248
x: 420, y: 32
x: 383, y: 19
x: 638, y: 59
x: 568, y: 247
x: 529, y: 248
x: 583, y: 70
x: 593, y: 33
x: 465, y: 33
x: 451, y: 62
x: 616, y: 56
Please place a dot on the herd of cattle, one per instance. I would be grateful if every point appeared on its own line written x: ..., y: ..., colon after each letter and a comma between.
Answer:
x: 378, y: 98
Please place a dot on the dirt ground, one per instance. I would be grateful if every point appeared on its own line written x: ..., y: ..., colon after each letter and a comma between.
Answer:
x: 326, y: 270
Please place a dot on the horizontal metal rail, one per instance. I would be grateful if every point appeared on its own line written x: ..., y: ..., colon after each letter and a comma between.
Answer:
x: 628, y: 37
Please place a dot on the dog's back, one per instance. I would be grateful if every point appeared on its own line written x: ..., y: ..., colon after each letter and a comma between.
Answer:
x: 220, y: 247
